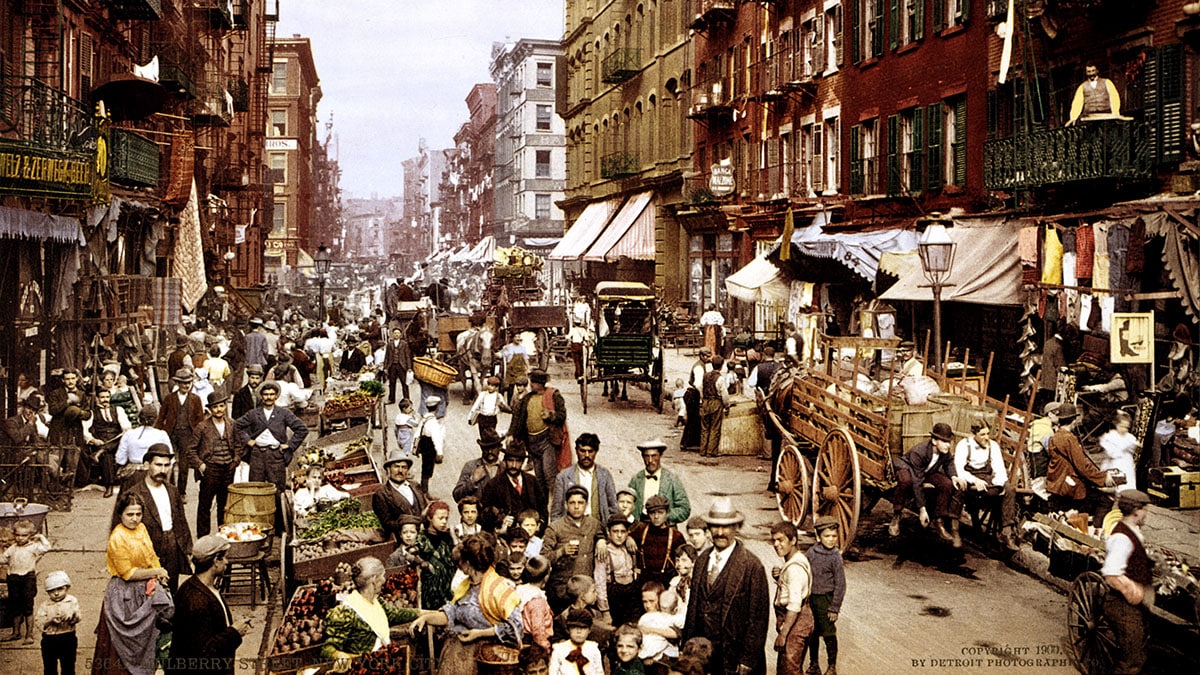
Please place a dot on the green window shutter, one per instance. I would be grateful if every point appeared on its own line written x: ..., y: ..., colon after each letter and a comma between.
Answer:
x: 918, y: 30
x: 893, y: 157
x: 933, y: 147
x: 839, y: 26
x: 1150, y: 102
x: 993, y: 113
x: 939, y: 15
x: 1171, y: 96
x: 856, y: 163
x: 960, y: 141
x: 916, y: 166
x: 855, y: 31
x: 893, y: 23
x: 965, y: 6
x: 877, y: 33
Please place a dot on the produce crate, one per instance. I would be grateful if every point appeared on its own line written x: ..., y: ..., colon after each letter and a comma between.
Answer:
x: 1174, y: 487
x: 292, y: 660
x: 325, y: 566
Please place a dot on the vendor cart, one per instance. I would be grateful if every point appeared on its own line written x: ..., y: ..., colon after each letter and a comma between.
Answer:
x: 515, y: 297
x: 627, y: 345
x: 350, y: 409
x: 829, y: 413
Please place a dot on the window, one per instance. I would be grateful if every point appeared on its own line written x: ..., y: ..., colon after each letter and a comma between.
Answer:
x: 543, y: 118
x: 906, y: 152
x: 954, y: 140
x: 541, y: 207
x: 810, y: 159
x: 278, y: 164
x: 542, y: 169
x: 832, y: 136
x: 808, y: 49
x: 279, y: 77
x: 785, y: 159
x: 279, y: 220
x: 864, y: 170
x: 907, y: 22
x: 948, y: 13
x: 278, y: 123
x: 867, y: 29
x: 833, y: 38
x: 545, y: 74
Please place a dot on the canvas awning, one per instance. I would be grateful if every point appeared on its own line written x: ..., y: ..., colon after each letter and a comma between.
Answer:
x: 758, y: 281
x: 629, y: 234
x: 987, y: 268
x: 859, y: 251
x: 482, y: 252
x: 583, y: 233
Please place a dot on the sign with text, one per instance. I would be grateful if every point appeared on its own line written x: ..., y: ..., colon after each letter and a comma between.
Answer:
x: 281, y: 144
x: 721, y: 182
x: 44, y: 173
x: 1132, y: 338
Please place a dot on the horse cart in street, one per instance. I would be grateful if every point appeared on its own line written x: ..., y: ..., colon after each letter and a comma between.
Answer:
x: 627, y: 346
x: 829, y: 412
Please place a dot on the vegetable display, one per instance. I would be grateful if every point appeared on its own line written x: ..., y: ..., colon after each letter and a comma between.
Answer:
x: 353, y: 400
x: 344, y: 515
x: 373, y: 388
x: 305, y: 552
x: 391, y: 658
x: 304, y: 624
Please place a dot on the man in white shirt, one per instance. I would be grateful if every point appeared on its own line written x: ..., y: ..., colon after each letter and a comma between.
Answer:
x: 131, y: 450
x: 398, y: 497
x: 162, y: 514
x: 978, y: 461
x: 794, y: 580
x: 102, y: 431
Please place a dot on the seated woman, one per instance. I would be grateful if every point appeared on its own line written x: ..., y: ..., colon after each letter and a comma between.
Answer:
x: 361, y: 624
x: 136, y: 597
x: 315, y: 490
x: 489, y: 609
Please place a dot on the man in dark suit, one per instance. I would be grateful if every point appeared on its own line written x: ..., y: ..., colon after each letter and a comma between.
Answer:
x: 181, y: 357
x: 477, y: 472
x: 21, y: 429
x: 602, y: 493
x: 168, y: 527
x: 397, y: 361
x: 180, y: 415
x: 511, y: 492
x: 930, y: 461
x: 244, y: 400
x: 215, y: 453
x: 264, y: 432
x: 209, y: 645
x: 730, y: 600
x: 398, y: 497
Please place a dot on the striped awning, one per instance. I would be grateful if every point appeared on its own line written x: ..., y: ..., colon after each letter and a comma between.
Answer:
x: 630, y: 234
x: 584, y: 231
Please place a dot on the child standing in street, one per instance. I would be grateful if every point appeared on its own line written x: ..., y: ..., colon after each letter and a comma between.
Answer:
x: 577, y: 655
x: 56, y: 619
x: 488, y: 406
x: 677, y: 403
x: 430, y: 437
x: 28, y: 547
x: 828, y: 590
x: 404, y: 426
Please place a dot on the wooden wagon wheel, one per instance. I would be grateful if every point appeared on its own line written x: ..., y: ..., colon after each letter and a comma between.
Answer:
x: 791, y: 479
x: 837, y: 484
x: 1093, y: 644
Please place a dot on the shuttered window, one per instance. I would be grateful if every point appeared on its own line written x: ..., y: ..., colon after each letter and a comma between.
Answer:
x: 934, y: 119
x: 1164, y: 100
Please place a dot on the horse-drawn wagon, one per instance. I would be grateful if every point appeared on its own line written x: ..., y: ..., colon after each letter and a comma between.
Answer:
x: 627, y: 345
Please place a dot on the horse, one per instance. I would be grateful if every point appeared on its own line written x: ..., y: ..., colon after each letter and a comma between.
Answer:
x: 475, y: 356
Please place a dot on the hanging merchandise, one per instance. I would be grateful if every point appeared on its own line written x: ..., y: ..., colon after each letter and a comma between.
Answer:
x: 1052, y: 260
x: 1100, y: 259
x: 1118, y: 246
x: 1085, y: 251
x: 1027, y: 249
x: 1135, y: 255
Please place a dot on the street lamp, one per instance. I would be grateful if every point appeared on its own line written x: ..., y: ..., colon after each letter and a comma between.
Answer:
x: 937, y: 259
x: 229, y: 256
x: 322, y: 261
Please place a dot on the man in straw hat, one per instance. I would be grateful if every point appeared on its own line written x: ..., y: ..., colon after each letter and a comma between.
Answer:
x: 1074, y: 480
x: 1127, y: 571
x: 181, y: 413
x: 730, y: 602
x: 398, y: 497
x: 215, y: 453
x: 655, y: 480
x: 209, y: 645
x: 929, y: 461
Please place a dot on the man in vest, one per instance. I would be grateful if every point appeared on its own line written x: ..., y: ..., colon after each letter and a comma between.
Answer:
x: 180, y: 415
x: 102, y: 432
x: 1131, y: 586
x: 602, y: 492
x: 1096, y: 96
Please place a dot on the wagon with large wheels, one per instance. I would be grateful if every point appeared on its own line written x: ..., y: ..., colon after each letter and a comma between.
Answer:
x: 627, y: 347
x: 839, y: 436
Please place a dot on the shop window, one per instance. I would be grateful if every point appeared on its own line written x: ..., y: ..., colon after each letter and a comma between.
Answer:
x: 541, y: 207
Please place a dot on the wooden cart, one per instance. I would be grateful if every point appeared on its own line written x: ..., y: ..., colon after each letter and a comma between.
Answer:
x: 853, y: 434
x: 627, y: 345
x: 370, y: 411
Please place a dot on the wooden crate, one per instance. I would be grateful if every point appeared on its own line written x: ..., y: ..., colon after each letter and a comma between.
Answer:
x: 325, y: 566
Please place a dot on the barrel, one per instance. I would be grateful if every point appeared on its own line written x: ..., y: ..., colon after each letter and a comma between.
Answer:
x: 741, y: 430
x: 251, y: 503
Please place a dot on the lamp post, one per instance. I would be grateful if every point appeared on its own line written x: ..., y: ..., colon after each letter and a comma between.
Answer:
x: 937, y: 259
x: 321, y: 262
x: 228, y: 257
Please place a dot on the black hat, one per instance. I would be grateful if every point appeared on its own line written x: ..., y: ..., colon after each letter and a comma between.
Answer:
x: 490, y: 442
x: 1067, y: 412
x: 515, y: 450
x: 579, y: 618
x: 216, y: 397
x: 942, y: 432
x: 158, y: 450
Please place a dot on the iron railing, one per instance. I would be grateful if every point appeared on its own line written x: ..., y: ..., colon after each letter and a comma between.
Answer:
x: 34, y: 114
x: 710, y: 99
x: 621, y: 65
x: 219, y: 12
x: 618, y: 164
x: 133, y: 160
x: 143, y: 10
x: 1108, y: 149
x: 710, y: 12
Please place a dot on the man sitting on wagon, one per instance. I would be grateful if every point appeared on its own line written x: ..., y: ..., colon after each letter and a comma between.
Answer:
x: 930, y: 461
x: 977, y: 459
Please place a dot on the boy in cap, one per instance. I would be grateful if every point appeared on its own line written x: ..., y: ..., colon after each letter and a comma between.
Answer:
x: 828, y: 590
x: 570, y: 545
x: 56, y: 619
x: 626, y: 499
x: 211, y: 640
x: 431, y: 436
x: 577, y: 655
x: 1127, y: 571
x: 656, y: 542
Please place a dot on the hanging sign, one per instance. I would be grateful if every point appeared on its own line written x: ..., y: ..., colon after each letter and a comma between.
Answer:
x: 1132, y: 338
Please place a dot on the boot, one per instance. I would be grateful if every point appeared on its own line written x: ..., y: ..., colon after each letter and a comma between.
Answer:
x: 108, y: 491
x: 941, y: 531
x: 894, y: 526
x: 813, y: 668
x: 831, y: 670
x: 1010, y: 538
x: 955, y: 540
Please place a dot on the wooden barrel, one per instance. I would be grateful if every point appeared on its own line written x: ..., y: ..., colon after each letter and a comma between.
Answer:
x: 742, y: 430
x: 966, y: 415
x: 251, y: 503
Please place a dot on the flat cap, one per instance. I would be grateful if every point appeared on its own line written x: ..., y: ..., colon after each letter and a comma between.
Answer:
x: 208, y: 546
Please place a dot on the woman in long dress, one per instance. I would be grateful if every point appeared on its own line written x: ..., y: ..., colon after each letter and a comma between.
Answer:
x: 488, y: 610
x: 136, y: 601
x: 1121, y: 449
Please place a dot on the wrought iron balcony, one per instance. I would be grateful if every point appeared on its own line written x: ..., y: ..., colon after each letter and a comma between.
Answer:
x: 145, y: 10
x: 618, y: 164
x: 621, y: 65
x: 213, y: 107
x: 133, y: 160
x: 783, y: 72
x: 1088, y: 151
x: 218, y: 12
x: 36, y: 115
x: 176, y: 69
x: 712, y: 13
x: 710, y: 101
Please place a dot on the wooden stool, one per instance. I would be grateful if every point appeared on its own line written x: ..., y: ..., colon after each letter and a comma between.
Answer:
x: 252, y: 570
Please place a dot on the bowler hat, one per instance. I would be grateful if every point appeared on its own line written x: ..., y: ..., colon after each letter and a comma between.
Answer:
x: 490, y: 442
x: 1067, y: 412
x: 158, y: 450
x: 722, y: 513
x: 183, y: 375
x: 217, y: 397
x: 942, y: 432
x: 515, y: 450
x: 539, y: 376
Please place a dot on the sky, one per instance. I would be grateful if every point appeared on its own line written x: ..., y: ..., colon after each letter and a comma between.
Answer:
x: 395, y: 71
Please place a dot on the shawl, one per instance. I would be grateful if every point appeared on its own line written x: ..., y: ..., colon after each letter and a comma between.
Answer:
x: 373, y: 614
x: 564, y: 457
x: 132, y: 610
x: 497, y: 598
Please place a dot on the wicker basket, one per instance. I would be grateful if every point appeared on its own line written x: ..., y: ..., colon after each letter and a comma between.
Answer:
x: 432, y: 371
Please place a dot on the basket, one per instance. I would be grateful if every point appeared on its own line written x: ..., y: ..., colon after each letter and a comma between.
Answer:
x: 434, y: 372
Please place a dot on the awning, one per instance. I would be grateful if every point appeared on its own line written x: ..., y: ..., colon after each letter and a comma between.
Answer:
x: 461, y: 254
x: 583, y: 233
x: 759, y: 281
x: 22, y: 224
x: 631, y: 232
x: 859, y: 251
x: 482, y: 253
x: 541, y: 242
x: 987, y: 269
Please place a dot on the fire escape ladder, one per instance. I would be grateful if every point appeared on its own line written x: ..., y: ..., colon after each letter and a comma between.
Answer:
x: 43, y: 42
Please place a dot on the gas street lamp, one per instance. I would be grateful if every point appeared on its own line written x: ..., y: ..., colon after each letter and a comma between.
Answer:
x: 322, y: 261
x: 937, y: 259
x: 228, y: 257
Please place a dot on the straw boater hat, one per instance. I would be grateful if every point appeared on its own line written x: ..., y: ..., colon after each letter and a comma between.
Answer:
x: 722, y: 513
x: 398, y: 455
x: 656, y: 444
